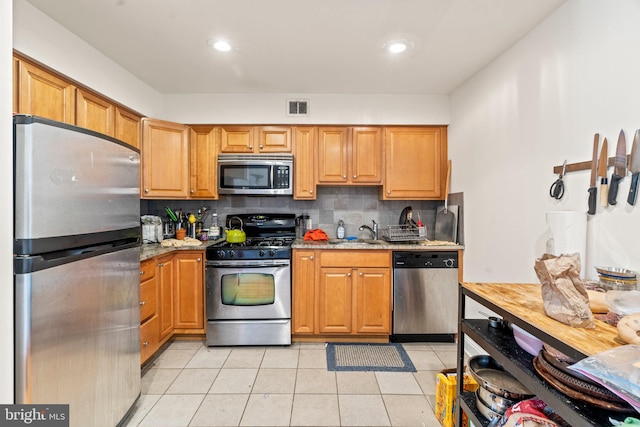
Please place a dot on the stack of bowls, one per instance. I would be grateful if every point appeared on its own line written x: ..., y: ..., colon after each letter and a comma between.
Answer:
x: 617, y: 279
x: 498, y: 390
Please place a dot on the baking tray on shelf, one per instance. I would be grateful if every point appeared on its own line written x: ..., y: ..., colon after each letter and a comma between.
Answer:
x: 403, y: 233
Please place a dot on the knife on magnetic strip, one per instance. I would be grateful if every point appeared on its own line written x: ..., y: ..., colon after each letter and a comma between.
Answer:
x: 593, y: 191
x: 602, y: 173
x: 619, y: 168
x: 634, y: 167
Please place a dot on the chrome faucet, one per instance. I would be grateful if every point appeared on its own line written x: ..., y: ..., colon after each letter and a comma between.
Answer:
x: 373, y: 230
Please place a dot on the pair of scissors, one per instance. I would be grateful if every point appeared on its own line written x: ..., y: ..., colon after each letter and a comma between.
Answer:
x: 557, y: 188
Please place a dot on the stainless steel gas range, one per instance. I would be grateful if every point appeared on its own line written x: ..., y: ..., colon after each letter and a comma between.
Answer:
x: 248, y: 285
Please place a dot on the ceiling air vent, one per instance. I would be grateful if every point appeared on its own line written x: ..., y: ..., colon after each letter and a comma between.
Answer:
x: 298, y: 107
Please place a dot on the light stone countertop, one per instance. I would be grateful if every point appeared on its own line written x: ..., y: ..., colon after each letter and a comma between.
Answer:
x: 426, y: 245
x: 150, y: 250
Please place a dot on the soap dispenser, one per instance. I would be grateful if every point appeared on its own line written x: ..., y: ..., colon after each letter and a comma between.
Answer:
x: 340, y: 230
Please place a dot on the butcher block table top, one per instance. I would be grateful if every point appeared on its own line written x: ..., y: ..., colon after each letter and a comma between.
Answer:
x: 524, y: 301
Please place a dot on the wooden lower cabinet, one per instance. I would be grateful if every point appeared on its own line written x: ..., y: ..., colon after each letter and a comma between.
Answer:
x: 341, y: 293
x: 171, y: 299
x: 189, y: 296
x: 149, y: 326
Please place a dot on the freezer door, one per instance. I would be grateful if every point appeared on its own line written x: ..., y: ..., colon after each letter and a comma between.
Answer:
x: 72, y: 182
x: 77, y: 337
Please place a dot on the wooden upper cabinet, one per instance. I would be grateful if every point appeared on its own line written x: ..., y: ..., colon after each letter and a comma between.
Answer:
x: 203, y: 164
x: 415, y: 163
x: 128, y: 127
x: 94, y: 113
x: 350, y: 155
x: 304, y: 168
x: 165, y: 160
x: 41, y: 93
x: 366, y: 155
x: 332, y: 154
x: 237, y: 139
x: 255, y: 139
x: 274, y: 139
x: 16, y: 87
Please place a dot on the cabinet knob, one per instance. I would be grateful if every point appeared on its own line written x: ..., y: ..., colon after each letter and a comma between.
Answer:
x: 344, y: 176
x: 193, y: 191
x: 311, y: 257
x: 261, y: 147
x: 146, y: 190
x: 355, y: 176
x: 198, y: 260
x: 310, y: 191
x: 388, y: 191
x: 146, y: 343
x: 251, y: 147
x: 349, y: 275
x: 143, y: 302
x: 141, y: 272
x: 160, y: 265
x: 361, y: 274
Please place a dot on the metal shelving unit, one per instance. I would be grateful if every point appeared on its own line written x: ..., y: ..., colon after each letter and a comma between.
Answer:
x: 500, y: 344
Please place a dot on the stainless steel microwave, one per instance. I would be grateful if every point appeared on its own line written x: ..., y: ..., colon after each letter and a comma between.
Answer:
x: 248, y: 174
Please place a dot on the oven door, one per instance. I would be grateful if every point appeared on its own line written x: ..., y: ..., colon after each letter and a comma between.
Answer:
x: 248, y: 290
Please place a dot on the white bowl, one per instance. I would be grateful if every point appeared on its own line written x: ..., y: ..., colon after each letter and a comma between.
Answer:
x: 526, y: 341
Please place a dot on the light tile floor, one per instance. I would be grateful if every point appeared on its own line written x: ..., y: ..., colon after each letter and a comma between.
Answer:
x: 189, y: 384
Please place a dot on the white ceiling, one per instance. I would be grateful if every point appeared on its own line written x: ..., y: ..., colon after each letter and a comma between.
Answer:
x: 300, y: 46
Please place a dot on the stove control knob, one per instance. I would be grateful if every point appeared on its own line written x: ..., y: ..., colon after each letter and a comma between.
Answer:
x: 221, y: 254
x: 272, y: 252
x: 232, y: 254
x: 261, y: 252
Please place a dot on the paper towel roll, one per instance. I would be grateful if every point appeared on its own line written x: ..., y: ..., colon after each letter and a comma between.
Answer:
x: 568, y: 233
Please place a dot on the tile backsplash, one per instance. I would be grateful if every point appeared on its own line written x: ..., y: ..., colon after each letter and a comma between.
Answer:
x: 356, y: 206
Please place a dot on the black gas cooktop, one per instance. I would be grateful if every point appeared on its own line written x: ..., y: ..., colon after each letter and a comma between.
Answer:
x: 269, y: 236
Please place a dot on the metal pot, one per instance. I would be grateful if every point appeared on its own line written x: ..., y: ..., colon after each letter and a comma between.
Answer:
x: 489, y: 374
x: 236, y: 236
x: 493, y: 401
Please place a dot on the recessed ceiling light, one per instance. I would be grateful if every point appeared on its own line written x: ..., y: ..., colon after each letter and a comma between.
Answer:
x: 397, y: 46
x: 221, y: 46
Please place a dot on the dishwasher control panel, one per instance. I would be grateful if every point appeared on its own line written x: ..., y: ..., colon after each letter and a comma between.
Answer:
x: 425, y: 259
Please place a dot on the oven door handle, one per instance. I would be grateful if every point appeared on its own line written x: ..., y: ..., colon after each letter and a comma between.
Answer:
x: 249, y: 264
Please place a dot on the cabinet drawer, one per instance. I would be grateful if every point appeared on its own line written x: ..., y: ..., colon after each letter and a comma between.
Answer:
x: 149, y: 338
x: 366, y: 258
x: 148, y: 299
x: 147, y: 270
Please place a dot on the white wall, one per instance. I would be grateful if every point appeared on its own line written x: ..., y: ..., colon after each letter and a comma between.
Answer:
x: 6, y: 200
x: 41, y: 38
x: 541, y: 102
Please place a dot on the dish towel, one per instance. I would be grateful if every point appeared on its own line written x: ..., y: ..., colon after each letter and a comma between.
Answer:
x: 316, y: 234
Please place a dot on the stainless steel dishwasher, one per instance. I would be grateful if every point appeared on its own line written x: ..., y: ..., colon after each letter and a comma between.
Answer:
x: 425, y: 296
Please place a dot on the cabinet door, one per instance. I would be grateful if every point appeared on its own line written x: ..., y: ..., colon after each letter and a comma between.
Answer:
x: 335, y: 296
x: 15, y: 71
x: 303, y: 291
x: 373, y: 301
x: 189, y: 296
x: 415, y: 163
x: 149, y: 338
x: 128, y: 127
x: 366, y: 155
x: 94, y: 113
x: 304, y: 172
x: 274, y: 139
x: 236, y: 139
x: 46, y: 95
x: 166, y: 275
x: 333, y: 154
x: 165, y: 160
x: 204, y: 161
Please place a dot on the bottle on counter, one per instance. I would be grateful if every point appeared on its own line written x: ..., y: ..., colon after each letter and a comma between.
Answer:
x: 214, y: 228
x: 340, y: 230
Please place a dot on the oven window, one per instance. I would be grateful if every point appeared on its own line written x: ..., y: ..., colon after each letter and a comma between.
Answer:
x: 245, y: 176
x: 244, y: 289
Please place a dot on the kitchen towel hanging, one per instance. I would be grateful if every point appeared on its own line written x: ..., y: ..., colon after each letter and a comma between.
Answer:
x: 568, y: 231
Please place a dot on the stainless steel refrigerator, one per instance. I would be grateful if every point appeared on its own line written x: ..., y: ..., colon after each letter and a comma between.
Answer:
x: 76, y: 270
